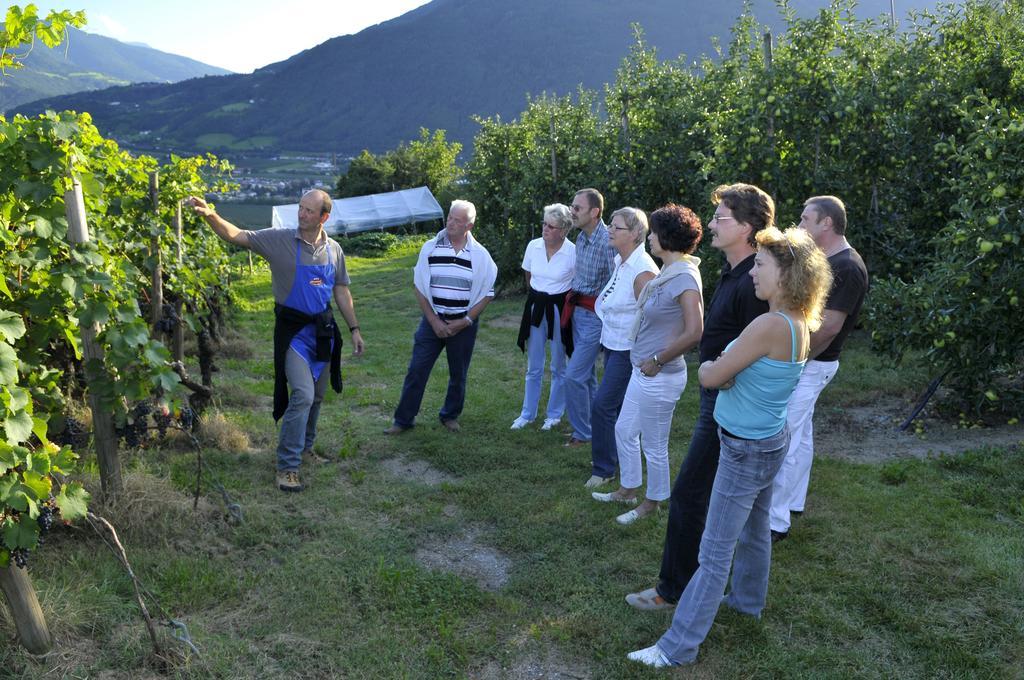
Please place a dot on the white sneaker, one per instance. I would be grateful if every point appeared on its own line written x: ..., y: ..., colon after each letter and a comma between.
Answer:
x: 612, y: 498
x: 520, y: 422
x: 650, y: 656
x: 550, y: 423
x: 596, y: 481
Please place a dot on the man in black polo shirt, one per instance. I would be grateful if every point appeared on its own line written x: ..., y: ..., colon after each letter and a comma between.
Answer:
x: 742, y: 210
x: 824, y: 218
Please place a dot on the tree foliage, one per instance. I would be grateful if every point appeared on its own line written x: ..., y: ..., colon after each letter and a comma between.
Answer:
x: 429, y: 161
x: 881, y: 117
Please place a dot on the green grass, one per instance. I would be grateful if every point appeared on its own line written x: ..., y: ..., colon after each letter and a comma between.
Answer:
x: 912, y: 571
x: 215, y: 140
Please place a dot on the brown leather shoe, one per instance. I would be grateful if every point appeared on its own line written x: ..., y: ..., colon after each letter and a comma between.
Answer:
x: 289, y: 481
x: 396, y: 429
x: 576, y: 442
x: 451, y: 425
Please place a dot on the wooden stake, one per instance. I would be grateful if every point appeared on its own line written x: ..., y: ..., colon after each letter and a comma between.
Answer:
x: 554, y: 158
x: 25, y: 609
x: 178, y: 341
x: 156, y: 301
x: 770, y: 132
x: 92, y: 355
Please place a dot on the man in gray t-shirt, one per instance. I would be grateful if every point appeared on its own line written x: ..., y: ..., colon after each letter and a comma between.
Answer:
x: 307, y: 271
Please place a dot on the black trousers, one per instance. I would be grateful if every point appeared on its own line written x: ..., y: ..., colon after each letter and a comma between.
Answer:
x: 688, y: 505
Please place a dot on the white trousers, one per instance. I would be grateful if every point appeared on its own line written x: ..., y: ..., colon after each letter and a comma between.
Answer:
x: 645, y: 419
x: 789, y: 490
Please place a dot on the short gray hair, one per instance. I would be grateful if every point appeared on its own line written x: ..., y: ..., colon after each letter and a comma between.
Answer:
x: 635, y: 219
x: 560, y: 213
x: 467, y: 206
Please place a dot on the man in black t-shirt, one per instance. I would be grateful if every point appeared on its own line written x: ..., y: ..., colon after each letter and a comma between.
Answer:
x: 824, y: 218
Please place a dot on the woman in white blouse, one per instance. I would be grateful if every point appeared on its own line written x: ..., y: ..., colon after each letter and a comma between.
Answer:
x: 616, y: 306
x: 549, y: 264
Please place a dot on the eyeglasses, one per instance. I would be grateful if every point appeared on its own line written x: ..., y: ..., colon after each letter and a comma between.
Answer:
x: 545, y: 225
x: 719, y: 218
x: 614, y: 228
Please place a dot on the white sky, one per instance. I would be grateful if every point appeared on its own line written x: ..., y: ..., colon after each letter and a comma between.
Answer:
x: 240, y: 36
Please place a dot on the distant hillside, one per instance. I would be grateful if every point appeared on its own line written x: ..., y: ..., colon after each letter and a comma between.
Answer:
x: 91, y: 62
x: 435, y: 66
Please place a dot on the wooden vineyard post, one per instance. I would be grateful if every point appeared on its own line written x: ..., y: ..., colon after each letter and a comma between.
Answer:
x: 25, y: 610
x: 554, y: 158
x: 157, y: 299
x: 770, y: 132
x: 178, y: 340
x: 92, y: 353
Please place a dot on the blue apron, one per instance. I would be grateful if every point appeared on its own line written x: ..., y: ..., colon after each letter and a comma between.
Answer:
x: 310, y: 294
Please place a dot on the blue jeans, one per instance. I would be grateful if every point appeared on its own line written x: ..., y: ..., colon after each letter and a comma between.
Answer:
x: 688, y: 506
x: 581, y: 373
x: 604, y: 455
x: 426, y: 348
x: 535, y: 371
x: 737, y: 523
x: 298, y: 424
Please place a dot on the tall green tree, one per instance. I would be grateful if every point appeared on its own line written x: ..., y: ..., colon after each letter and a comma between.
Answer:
x: 429, y: 161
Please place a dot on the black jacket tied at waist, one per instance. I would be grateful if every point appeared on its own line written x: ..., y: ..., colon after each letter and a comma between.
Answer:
x: 288, y: 322
x: 540, y: 306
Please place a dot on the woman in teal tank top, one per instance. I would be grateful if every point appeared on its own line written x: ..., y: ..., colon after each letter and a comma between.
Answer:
x: 756, y: 374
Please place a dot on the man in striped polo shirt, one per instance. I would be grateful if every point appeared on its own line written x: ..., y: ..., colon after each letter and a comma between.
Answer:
x: 454, y: 282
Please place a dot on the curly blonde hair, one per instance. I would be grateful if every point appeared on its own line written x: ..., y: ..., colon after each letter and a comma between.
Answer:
x: 804, y: 273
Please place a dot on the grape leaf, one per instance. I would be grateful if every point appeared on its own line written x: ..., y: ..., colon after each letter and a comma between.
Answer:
x: 11, y: 325
x: 72, y: 501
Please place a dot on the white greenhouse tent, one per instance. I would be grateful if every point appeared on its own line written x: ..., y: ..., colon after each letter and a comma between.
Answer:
x: 363, y: 213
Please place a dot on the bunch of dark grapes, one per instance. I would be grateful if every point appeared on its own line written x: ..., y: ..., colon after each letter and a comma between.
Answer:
x: 163, y: 420
x: 134, y: 431
x: 169, y: 319
x: 20, y: 557
x: 187, y: 418
x: 74, y: 434
x: 46, y: 516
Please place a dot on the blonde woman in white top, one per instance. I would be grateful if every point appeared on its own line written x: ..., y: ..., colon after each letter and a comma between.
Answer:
x: 616, y: 306
x: 549, y: 264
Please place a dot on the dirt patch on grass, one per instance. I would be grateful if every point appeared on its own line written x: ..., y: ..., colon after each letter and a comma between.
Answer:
x: 869, y: 433
x: 418, y: 471
x: 533, y: 667
x: 467, y: 557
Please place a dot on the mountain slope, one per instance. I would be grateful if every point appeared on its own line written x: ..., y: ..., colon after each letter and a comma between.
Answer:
x: 435, y: 66
x: 90, y: 62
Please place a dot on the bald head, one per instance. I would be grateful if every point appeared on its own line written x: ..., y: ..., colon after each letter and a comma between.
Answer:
x: 321, y: 196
